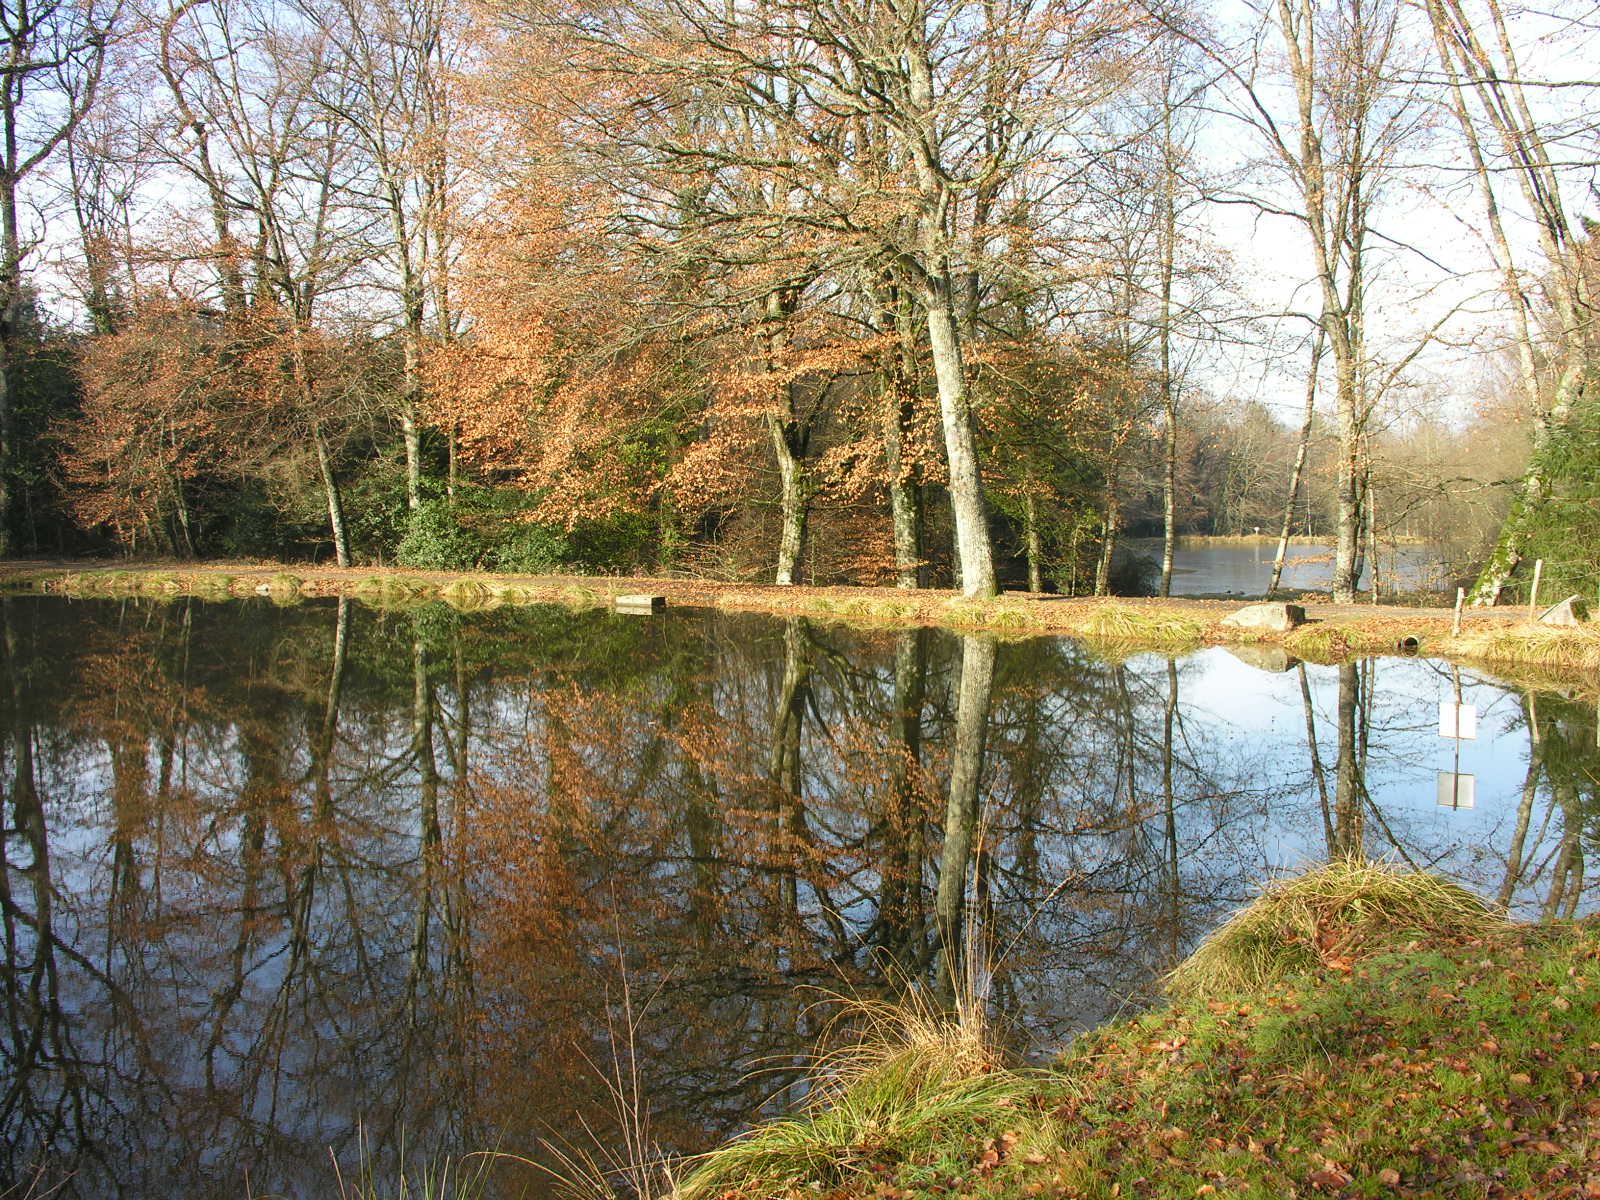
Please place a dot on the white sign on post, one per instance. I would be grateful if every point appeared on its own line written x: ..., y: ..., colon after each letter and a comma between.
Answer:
x: 1458, y: 720
x: 1457, y: 790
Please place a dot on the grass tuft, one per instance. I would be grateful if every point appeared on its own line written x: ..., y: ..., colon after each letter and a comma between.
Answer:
x: 282, y: 588
x: 1334, y: 913
x: 470, y: 595
x: 394, y: 591
x: 1123, y: 624
x: 211, y: 587
x: 1569, y: 649
x: 916, y: 1080
x: 577, y: 596
x: 1317, y: 643
x: 988, y: 614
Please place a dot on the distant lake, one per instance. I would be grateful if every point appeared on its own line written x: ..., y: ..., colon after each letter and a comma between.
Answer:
x: 288, y: 885
x: 1243, y: 567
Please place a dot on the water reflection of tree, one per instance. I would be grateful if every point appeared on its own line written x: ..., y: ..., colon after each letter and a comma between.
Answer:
x: 325, y: 864
x: 227, y: 984
x: 1547, y: 860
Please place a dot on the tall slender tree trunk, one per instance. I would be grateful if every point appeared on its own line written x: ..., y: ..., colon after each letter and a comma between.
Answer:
x: 1348, y: 782
x: 899, y: 410
x: 900, y: 887
x: 974, y: 554
x: 330, y: 490
x: 10, y: 316
x: 795, y: 499
x: 1169, y: 392
x: 1031, y: 541
x: 1301, y: 447
x: 1108, y: 541
x: 789, y: 439
x: 973, y: 697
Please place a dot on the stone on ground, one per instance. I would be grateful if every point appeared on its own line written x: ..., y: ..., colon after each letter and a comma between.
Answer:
x: 1269, y: 618
x: 1574, y: 610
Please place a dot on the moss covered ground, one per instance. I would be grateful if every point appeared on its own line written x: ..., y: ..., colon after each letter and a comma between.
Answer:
x: 1410, y: 1043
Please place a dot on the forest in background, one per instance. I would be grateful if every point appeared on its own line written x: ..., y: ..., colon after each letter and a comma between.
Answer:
x: 912, y: 291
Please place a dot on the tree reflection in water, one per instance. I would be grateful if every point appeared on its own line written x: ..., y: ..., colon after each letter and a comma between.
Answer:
x: 277, y: 876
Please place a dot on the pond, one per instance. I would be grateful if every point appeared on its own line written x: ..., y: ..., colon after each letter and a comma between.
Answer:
x: 1243, y: 566
x: 285, y: 886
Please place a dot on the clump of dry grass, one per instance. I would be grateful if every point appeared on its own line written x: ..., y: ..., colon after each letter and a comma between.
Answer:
x: 282, y: 588
x: 988, y: 614
x: 470, y: 595
x: 915, y: 1076
x: 1318, y: 643
x: 1348, y: 907
x: 1550, y: 648
x: 1126, y: 625
x: 394, y: 591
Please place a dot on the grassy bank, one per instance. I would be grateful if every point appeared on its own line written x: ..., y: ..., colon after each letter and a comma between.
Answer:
x: 1501, y: 639
x: 1355, y: 1032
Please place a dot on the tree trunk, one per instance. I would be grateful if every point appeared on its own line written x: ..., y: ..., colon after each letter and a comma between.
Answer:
x: 330, y: 488
x: 962, y: 806
x: 788, y: 440
x: 1347, y: 532
x: 1169, y: 394
x: 900, y: 885
x: 795, y: 499
x: 899, y: 409
x: 10, y: 312
x: 1348, y: 786
x: 1299, y: 461
x: 974, y: 555
x: 1108, y: 541
x: 1031, y: 541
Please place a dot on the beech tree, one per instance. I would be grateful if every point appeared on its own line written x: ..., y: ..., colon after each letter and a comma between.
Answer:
x: 900, y: 138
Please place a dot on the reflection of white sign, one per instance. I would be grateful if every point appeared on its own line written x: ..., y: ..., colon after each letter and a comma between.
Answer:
x: 1458, y: 720
x: 1457, y: 791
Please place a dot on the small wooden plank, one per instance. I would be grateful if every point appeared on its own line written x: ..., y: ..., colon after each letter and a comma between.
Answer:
x: 640, y: 604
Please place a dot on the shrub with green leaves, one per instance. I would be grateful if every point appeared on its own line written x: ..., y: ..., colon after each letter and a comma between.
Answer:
x: 436, y: 541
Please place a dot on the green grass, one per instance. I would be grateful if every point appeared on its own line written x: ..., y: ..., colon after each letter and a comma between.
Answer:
x: 211, y: 587
x: 576, y: 596
x: 1425, y: 1070
x: 862, y: 609
x: 1359, y: 1031
x: 1317, y: 643
x: 283, y: 588
x: 919, y: 1081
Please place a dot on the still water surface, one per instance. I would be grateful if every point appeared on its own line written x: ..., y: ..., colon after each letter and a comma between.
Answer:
x: 1225, y: 566
x: 284, y: 883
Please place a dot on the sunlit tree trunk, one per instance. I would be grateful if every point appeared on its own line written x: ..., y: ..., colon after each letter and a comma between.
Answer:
x: 789, y: 437
x: 1302, y: 445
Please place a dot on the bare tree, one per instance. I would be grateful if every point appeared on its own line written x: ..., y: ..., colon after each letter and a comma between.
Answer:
x: 1482, y: 64
x: 55, y: 55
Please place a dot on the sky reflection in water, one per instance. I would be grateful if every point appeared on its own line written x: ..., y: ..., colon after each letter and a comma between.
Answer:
x: 279, y: 875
